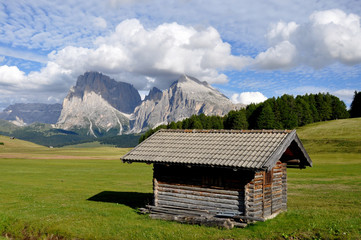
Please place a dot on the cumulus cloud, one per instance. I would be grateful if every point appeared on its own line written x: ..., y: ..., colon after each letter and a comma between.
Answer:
x: 145, y: 57
x: 328, y: 37
x: 136, y: 52
x: 248, y: 97
x: 11, y: 76
x: 162, y: 53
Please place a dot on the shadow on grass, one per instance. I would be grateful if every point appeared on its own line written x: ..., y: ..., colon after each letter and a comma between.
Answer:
x: 131, y: 199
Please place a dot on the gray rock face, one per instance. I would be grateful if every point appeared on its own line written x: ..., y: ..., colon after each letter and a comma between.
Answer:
x: 186, y: 97
x: 27, y: 113
x: 99, y: 105
x: 155, y: 94
x: 93, y: 114
x: 122, y: 96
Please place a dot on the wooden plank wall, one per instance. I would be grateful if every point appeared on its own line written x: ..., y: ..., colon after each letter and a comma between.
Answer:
x: 207, y: 190
x: 263, y: 198
x: 284, y: 186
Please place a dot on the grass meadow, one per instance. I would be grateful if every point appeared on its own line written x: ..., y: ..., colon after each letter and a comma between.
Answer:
x: 88, y: 193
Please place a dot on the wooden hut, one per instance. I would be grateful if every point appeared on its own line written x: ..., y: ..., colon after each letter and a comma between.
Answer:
x: 212, y: 176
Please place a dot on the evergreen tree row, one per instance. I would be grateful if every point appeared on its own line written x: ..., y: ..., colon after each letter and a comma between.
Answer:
x: 285, y: 112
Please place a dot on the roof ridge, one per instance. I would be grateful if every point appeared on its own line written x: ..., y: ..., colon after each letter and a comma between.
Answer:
x: 227, y: 130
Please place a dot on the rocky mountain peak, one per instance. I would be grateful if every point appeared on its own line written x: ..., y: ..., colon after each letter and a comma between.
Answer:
x: 186, y: 96
x: 122, y: 96
x: 155, y: 94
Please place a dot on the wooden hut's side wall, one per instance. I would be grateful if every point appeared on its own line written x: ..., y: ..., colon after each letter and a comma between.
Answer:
x: 266, y: 194
x: 208, y: 190
x: 284, y: 186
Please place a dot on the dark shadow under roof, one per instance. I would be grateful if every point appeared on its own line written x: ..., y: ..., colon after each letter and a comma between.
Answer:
x: 247, y: 149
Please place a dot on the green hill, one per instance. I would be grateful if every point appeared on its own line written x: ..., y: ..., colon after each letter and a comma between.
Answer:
x: 332, y: 136
x: 15, y: 145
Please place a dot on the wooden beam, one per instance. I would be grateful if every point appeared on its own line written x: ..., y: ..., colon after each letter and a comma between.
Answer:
x: 210, y: 222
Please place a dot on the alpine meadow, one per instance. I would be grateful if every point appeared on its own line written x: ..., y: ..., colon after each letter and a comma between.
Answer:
x: 88, y: 193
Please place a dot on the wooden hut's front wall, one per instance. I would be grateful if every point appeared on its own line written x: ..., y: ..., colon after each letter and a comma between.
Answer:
x: 266, y: 194
x: 211, y: 190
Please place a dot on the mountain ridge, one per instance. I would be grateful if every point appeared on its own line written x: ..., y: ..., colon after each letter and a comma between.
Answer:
x: 27, y: 113
x: 185, y: 97
x: 99, y: 106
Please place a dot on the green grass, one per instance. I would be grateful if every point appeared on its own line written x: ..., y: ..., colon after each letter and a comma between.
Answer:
x: 94, y: 144
x: 88, y: 193
x: 333, y: 136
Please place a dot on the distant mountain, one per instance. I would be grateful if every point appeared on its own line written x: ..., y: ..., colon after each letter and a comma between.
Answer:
x: 120, y: 95
x: 98, y: 105
x: 26, y: 113
x: 154, y: 94
x: 185, y: 97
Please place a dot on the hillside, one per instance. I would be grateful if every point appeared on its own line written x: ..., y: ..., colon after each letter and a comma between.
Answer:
x: 332, y: 136
x: 17, y: 145
x: 20, y: 149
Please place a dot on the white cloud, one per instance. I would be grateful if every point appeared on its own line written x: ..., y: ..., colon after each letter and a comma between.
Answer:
x: 164, y: 52
x: 22, y: 54
x: 11, y: 76
x: 248, y: 97
x: 345, y: 94
x: 328, y: 37
x: 280, y: 56
x: 148, y: 47
x: 145, y: 57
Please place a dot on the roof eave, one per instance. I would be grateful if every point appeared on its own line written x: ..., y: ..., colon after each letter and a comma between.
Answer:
x: 277, y: 154
x: 234, y: 168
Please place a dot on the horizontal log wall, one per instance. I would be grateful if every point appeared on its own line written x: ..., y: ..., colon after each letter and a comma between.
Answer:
x: 208, y: 190
x: 254, y: 196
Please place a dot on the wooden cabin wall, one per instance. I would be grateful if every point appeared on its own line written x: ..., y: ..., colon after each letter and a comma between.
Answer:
x: 284, y: 186
x: 213, y: 190
x: 266, y: 194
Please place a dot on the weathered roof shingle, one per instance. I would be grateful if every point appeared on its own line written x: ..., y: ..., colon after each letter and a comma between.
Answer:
x: 250, y: 149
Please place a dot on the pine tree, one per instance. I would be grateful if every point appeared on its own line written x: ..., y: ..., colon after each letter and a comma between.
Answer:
x: 312, y: 102
x: 338, y: 107
x: 355, y: 110
x: 287, y: 108
x: 252, y: 112
x: 266, y: 118
x: 185, y: 123
x: 236, y: 120
x: 277, y: 113
x: 303, y: 111
x: 195, y: 123
x: 172, y: 125
x: 323, y: 105
x: 217, y: 122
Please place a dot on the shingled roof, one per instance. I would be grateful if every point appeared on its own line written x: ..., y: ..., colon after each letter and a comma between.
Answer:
x: 247, y: 149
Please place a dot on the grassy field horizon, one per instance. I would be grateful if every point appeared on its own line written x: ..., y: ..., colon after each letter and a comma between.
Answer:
x: 81, y: 192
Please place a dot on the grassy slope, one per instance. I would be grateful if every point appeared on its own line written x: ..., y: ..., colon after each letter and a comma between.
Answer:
x: 42, y: 195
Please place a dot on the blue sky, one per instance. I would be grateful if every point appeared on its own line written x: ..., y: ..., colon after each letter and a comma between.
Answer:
x: 249, y: 50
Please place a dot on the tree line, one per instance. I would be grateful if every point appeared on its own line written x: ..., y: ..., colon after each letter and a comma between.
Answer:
x: 285, y: 112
